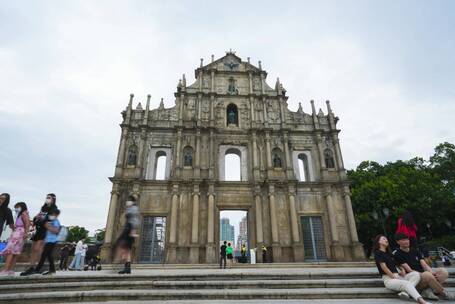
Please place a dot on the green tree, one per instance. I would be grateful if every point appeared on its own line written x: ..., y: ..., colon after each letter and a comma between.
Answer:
x: 77, y: 233
x: 422, y: 187
x: 100, y: 233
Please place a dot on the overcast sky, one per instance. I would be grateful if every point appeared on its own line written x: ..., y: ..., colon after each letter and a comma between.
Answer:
x: 67, y: 69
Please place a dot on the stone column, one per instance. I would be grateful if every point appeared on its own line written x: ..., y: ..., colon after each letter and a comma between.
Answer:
x: 274, y: 226
x: 197, y: 167
x: 288, y: 158
x: 106, y: 251
x: 212, y: 81
x: 172, y: 250
x: 252, y: 111
x: 294, y: 220
x: 140, y: 157
x: 178, y: 148
x: 211, y: 247
x: 268, y: 152
x: 296, y: 243
x: 273, y: 218
x: 211, y: 164
x: 264, y: 113
x: 212, y: 115
x: 336, y: 143
x: 121, y: 151
x: 357, y: 248
x: 337, y: 251
x: 256, y: 173
x: 111, y: 216
x: 194, y: 250
x: 258, y: 206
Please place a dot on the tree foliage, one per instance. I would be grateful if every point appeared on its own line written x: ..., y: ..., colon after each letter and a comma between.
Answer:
x: 426, y: 188
x: 77, y: 233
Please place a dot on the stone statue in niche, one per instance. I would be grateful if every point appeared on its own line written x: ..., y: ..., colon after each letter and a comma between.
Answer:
x: 232, y: 116
x: 132, y: 156
x: 277, y: 163
x: 232, y: 88
x: 188, y: 159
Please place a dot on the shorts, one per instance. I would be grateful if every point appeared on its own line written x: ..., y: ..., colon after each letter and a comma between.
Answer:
x: 40, y: 234
x: 229, y: 256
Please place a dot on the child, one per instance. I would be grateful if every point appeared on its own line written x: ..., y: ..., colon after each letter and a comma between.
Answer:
x: 17, y: 238
x: 52, y: 230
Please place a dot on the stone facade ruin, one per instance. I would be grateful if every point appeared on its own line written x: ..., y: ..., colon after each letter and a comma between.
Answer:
x: 292, y: 182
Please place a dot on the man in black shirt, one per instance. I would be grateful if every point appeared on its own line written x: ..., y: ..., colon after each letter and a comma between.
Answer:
x: 412, y: 260
x: 223, y: 255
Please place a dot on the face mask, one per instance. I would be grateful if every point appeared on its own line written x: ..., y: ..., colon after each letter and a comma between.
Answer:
x: 48, y: 201
x: 17, y: 210
x: 52, y: 217
x: 129, y: 203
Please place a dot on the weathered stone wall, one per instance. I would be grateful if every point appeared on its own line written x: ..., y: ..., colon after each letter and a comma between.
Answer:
x: 192, y: 196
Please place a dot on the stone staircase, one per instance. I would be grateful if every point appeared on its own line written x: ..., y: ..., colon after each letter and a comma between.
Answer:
x: 164, y: 283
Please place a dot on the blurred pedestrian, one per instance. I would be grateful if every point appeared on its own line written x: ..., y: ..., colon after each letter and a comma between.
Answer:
x: 223, y: 255
x: 39, y: 234
x: 76, y: 264
x: 125, y: 241
x: 229, y: 255
x: 407, y: 226
x: 6, y: 216
x: 16, y: 239
x: 53, y: 227
x: 64, y: 255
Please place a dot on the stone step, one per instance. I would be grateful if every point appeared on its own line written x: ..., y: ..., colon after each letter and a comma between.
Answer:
x: 247, y: 284
x: 206, y: 294
x: 36, y: 279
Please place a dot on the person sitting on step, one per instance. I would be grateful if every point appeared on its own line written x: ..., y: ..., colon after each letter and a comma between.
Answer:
x: 393, y: 280
x: 431, y: 280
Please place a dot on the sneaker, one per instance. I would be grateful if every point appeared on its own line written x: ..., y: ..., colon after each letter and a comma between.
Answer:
x: 48, y: 273
x: 27, y: 272
x: 447, y: 295
x: 403, y: 295
x: 428, y: 294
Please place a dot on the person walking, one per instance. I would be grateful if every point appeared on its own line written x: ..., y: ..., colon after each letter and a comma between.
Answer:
x: 404, y: 283
x: 243, y: 252
x: 264, y: 254
x: 52, y: 230
x: 6, y: 216
x: 223, y: 255
x: 64, y: 255
x: 83, y: 254
x: 126, y: 239
x: 76, y: 262
x: 39, y: 234
x: 407, y: 226
x: 17, y: 238
x: 229, y: 255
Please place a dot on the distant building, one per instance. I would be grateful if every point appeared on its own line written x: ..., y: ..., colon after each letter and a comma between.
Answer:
x: 226, y: 231
x: 242, y: 238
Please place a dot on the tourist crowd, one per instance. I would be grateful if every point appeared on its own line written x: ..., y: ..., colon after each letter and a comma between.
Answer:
x: 45, y: 232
